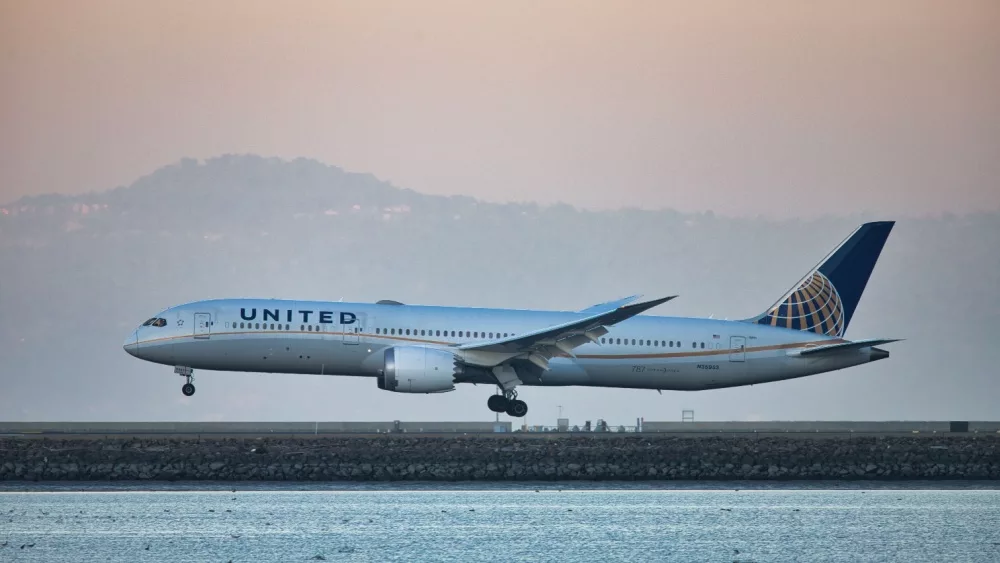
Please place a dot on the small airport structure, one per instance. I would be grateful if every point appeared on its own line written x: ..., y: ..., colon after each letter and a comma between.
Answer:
x: 562, y: 426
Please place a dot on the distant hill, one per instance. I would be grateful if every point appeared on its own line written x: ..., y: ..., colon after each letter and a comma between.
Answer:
x: 78, y: 272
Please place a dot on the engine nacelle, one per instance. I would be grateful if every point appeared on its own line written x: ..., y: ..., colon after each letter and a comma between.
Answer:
x: 418, y: 369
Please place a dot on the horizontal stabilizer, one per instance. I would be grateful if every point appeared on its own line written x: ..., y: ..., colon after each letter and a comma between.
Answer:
x: 843, y: 347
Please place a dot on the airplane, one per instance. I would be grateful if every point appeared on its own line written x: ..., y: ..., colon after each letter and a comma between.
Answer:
x: 431, y: 349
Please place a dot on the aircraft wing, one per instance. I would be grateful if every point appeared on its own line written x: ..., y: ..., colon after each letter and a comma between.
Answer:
x: 561, y: 339
x: 843, y: 347
x: 609, y: 305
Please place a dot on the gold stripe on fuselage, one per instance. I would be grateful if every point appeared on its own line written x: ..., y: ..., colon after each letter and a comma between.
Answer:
x: 693, y: 354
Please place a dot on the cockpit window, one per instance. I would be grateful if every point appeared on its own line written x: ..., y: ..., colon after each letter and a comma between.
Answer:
x: 155, y: 322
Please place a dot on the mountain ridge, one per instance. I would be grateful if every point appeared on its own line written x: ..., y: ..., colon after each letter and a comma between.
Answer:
x: 78, y: 277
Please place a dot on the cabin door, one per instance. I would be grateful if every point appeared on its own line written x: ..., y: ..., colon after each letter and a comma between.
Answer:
x: 352, y: 326
x: 737, y: 348
x: 202, y: 325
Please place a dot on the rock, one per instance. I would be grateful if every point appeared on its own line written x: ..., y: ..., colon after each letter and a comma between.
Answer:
x: 525, y: 457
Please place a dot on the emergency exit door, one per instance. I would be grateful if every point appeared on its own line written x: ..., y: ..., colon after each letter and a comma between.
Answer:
x: 353, y: 330
x: 737, y: 348
x: 202, y: 325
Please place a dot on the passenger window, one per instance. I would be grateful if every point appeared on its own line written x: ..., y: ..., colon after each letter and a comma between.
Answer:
x: 633, y: 342
x: 407, y: 332
x: 656, y: 343
x: 377, y: 331
x: 703, y: 345
x: 241, y: 325
x: 619, y: 341
x: 460, y: 334
x: 272, y: 326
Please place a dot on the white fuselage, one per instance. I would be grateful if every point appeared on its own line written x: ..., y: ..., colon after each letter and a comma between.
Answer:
x: 311, y: 337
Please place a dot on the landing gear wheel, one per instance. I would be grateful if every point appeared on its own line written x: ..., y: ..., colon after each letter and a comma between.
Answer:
x: 497, y: 403
x: 517, y: 408
x: 188, y: 389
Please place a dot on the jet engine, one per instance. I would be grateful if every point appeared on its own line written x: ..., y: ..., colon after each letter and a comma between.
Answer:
x: 418, y: 369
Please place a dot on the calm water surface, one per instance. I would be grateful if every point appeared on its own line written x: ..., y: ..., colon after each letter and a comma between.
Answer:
x: 435, y: 522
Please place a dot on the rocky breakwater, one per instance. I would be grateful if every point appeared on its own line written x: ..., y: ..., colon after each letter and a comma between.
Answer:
x: 492, y: 458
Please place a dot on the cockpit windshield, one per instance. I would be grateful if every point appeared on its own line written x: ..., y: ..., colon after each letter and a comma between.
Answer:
x: 155, y: 322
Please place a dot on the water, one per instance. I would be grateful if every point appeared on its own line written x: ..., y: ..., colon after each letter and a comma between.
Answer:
x: 433, y: 522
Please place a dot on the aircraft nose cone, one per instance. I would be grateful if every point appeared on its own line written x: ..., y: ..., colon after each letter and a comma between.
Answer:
x: 131, y: 344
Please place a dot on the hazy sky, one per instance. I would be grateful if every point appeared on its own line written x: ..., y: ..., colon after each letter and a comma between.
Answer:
x: 781, y: 108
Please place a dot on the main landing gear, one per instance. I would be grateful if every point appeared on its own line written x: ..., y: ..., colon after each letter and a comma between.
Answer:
x: 188, y: 374
x: 508, y: 403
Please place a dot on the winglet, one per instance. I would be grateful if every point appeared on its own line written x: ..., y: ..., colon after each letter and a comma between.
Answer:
x: 609, y: 305
x: 628, y: 311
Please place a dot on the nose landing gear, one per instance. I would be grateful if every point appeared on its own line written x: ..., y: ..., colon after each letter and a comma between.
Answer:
x: 188, y: 374
x: 507, y: 403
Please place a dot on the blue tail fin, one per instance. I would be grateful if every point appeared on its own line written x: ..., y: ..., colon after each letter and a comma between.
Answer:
x: 824, y: 301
